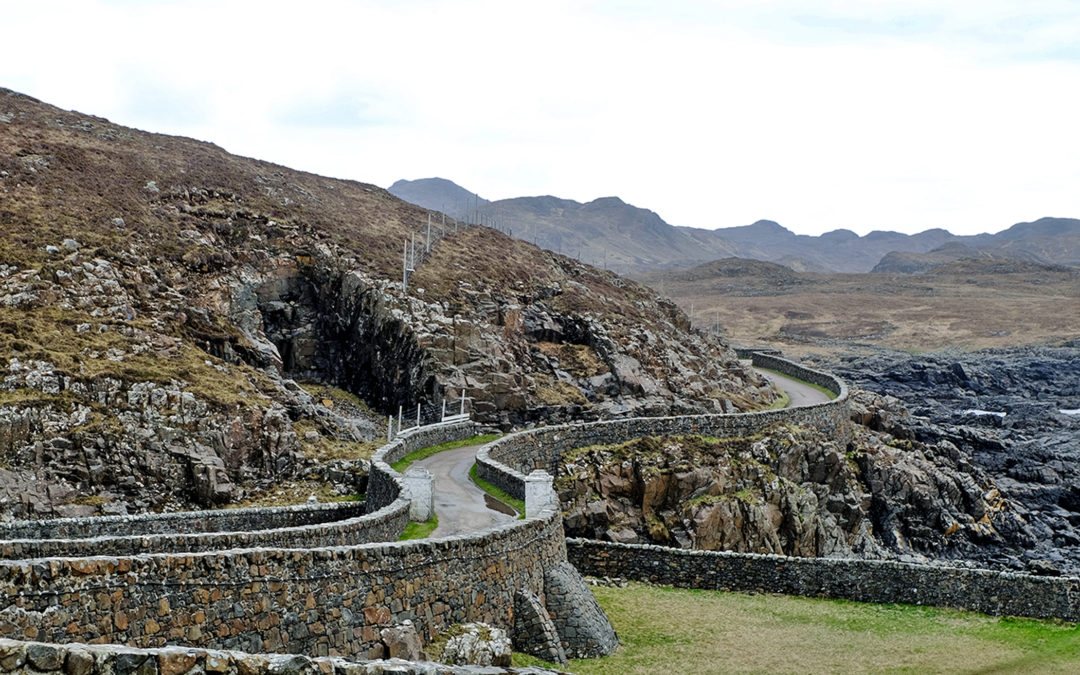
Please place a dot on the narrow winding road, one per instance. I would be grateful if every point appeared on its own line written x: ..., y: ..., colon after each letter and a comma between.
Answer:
x: 801, y: 393
x: 463, y: 507
x: 460, y: 504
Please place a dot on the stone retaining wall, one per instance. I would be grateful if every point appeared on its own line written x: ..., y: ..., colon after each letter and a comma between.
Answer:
x: 987, y: 591
x: 380, y: 526
x: 314, y: 601
x: 184, y: 522
x: 505, y: 462
x: 384, y: 484
x: 327, y: 601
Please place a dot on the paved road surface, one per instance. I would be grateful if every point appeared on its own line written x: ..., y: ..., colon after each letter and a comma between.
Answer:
x: 460, y: 505
x: 464, y: 507
x: 801, y: 394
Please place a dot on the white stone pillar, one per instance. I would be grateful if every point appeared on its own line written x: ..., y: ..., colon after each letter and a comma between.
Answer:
x: 539, y: 493
x: 419, y: 484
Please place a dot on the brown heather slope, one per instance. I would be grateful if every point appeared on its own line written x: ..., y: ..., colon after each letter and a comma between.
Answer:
x: 160, y: 297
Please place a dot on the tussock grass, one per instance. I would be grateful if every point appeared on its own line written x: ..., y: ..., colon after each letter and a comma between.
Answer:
x: 663, y: 629
x: 782, y: 401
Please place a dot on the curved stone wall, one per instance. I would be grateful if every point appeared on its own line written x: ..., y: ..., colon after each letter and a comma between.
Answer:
x: 182, y: 522
x: 987, y: 591
x: 505, y: 462
x: 323, y: 601
x: 330, y: 600
x: 380, y: 526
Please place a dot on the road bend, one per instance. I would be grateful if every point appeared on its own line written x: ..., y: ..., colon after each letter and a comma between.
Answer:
x: 801, y: 393
x: 460, y: 504
x: 463, y: 507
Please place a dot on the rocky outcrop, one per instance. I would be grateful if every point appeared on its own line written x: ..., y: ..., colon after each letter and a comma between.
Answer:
x: 1000, y: 412
x: 788, y: 491
x: 156, y: 337
x: 476, y: 644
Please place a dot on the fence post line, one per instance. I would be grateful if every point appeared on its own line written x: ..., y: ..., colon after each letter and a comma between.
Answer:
x: 443, y: 410
x: 462, y: 401
x: 389, y: 428
x: 417, y: 414
x: 399, y: 419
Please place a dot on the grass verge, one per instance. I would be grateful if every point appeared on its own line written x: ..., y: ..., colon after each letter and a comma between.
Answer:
x: 713, y: 631
x: 419, y: 530
x: 424, y: 453
x: 513, y: 502
x: 783, y: 401
x: 823, y: 390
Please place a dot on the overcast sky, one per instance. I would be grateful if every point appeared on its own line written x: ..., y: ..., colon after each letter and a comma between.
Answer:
x: 896, y: 114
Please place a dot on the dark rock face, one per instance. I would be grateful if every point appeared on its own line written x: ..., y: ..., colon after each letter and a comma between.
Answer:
x: 1032, y: 452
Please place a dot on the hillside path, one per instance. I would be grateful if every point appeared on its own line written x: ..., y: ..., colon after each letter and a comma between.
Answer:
x: 801, y: 393
x: 459, y: 503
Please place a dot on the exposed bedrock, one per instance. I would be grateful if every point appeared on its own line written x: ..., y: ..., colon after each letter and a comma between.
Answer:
x: 517, y: 359
x: 790, y: 491
x: 340, y: 328
x: 1002, y: 411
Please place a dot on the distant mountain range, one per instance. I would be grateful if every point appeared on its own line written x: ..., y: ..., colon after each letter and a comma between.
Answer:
x: 610, y: 233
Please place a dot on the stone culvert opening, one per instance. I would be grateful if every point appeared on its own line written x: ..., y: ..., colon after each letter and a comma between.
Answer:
x: 339, y: 328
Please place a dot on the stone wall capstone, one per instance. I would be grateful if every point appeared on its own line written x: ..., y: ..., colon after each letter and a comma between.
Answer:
x: 77, y: 659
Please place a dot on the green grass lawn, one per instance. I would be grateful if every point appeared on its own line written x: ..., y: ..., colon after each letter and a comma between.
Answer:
x: 690, y: 631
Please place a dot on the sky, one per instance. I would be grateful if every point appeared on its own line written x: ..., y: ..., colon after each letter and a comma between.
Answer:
x: 819, y: 114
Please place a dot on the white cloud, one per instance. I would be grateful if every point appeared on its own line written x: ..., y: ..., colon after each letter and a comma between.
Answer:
x: 897, y: 114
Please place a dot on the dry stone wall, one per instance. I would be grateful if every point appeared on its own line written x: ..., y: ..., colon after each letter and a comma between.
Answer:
x: 37, y: 657
x: 223, y: 520
x: 326, y: 601
x: 306, y: 599
x: 360, y: 529
x: 988, y: 591
x: 507, y: 461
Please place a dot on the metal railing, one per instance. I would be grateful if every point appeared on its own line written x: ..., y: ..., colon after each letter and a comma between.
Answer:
x: 422, y: 415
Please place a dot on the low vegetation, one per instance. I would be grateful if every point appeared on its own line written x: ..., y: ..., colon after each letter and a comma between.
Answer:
x: 972, y: 306
x: 423, y: 453
x: 419, y: 530
x: 513, y: 502
x: 663, y: 629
